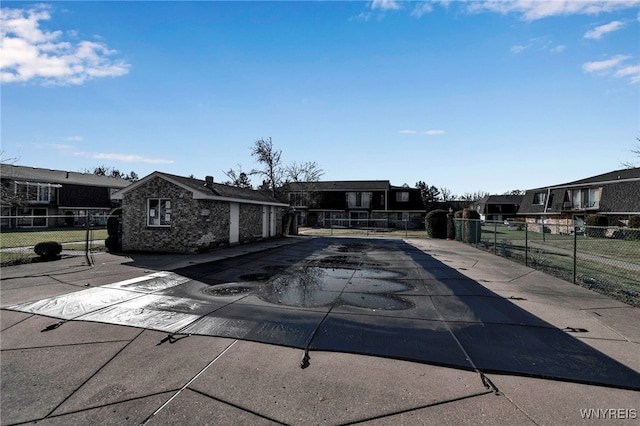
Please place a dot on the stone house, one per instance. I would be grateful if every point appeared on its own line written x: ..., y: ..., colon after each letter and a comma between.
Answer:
x: 168, y: 213
x: 558, y: 209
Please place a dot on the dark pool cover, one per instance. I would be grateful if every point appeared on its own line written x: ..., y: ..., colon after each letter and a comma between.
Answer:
x: 373, y: 297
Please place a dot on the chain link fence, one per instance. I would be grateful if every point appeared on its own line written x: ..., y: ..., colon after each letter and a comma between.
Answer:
x: 604, y: 259
x: 78, y: 236
x: 398, y: 228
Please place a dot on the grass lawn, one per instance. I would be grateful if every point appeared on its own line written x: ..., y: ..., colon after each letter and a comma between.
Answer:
x: 17, y: 246
x: 12, y: 239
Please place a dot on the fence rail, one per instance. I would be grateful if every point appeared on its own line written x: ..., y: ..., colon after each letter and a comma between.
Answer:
x: 605, y: 259
x: 366, y: 226
x: 20, y: 234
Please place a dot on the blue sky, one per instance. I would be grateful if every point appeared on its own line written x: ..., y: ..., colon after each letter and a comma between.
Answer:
x: 471, y: 96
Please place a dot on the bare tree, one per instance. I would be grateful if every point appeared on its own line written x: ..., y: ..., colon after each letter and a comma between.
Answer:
x: 238, y: 178
x: 636, y: 152
x: 445, y: 194
x: 112, y: 172
x: 429, y: 194
x: 469, y: 198
x: 308, y: 171
x: 8, y: 195
x: 270, y: 158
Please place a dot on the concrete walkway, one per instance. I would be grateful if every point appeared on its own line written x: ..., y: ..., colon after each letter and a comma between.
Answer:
x: 94, y: 373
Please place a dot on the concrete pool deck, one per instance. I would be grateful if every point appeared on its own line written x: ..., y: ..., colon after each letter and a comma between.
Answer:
x: 81, y: 372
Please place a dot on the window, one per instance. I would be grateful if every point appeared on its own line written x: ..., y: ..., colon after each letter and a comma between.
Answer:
x: 594, y: 198
x: 159, y: 212
x: 539, y: 197
x: 359, y: 199
x: 402, y: 197
x: 586, y: 198
x: 550, y: 202
x: 35, y: 192
x: 33, y: 218
x: 402, y: 216
x: 298, y: 199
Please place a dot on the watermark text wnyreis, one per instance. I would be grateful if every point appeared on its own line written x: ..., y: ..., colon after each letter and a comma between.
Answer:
x: 609, y: 413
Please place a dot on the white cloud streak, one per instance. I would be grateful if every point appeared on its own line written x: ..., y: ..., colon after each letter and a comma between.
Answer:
x: 615, y: 67
x: 631, y: 71
x: 125, y: 158
x: 421, y: 8
x: 598, y: 32
x: 385, y: 5
x: 32, y: 53
x: 531, y: 10
x: 434, y: 132
x: 519, y: 48
x: 604, y: 65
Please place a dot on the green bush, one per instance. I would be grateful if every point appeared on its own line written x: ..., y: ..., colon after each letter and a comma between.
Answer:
x: 113, y: 222
x: 594, y: 224
x: 112, y: 243
x: 471, y: 227
x: 48, y: 249
x: 470, y: 214
x: 634, y: 221
x: 436, y: 224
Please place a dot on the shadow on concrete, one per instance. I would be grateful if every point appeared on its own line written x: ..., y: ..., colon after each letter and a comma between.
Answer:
x: 365, y: 296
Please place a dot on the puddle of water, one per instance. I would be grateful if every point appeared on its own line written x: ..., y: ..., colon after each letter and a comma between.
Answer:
x: 227, y: 290
x: 319, y: 286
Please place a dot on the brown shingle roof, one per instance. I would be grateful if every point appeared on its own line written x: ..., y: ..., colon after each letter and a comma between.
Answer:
x: 38, y: 175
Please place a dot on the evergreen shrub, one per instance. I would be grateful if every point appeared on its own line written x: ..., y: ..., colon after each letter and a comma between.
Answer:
x: 436, y: 223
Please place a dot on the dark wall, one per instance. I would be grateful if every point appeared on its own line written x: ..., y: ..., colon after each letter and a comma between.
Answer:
x: 84, y: 196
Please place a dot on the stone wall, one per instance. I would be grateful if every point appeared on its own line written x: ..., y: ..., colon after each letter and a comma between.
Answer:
x: 196, y: 225
x: 251, y: 217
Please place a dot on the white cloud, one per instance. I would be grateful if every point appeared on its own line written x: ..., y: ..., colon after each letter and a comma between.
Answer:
x: 540, y: 44
x: 31, y: 53
x: 616, y: 67
x: 631, y: 71
x: 407, y: 132
x: 434, y: 132
x: 421, y: 8
x: 126, y: 158
x: 385, y: 5
x: 519, y: 48
x: 604, y: 65
x: 531, y: 10
x: 598, y: 32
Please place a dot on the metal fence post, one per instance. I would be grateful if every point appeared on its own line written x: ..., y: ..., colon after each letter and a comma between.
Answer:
x: 495, y: 236
x: 575, y: 253
x: 526, y: 244
x: 86, y: 245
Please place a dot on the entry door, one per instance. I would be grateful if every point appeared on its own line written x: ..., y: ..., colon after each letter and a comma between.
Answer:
x: 272, y: 222
x: 266, y: 219
x: 234, y: 223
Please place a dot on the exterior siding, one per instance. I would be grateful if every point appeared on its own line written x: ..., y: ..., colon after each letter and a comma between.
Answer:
x: 329, y: 205
x: 251, y: 218
x: 618, y: 200
x: 196, y: 225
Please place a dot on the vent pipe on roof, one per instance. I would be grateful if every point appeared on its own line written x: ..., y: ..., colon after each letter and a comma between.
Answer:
x: 208, y: 180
